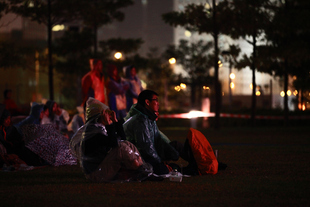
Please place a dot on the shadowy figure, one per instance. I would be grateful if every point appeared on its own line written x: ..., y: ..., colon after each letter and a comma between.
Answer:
x: 93, y: 83
x: 10, y: 104
x: 135, y: 86
x: 116, y: 90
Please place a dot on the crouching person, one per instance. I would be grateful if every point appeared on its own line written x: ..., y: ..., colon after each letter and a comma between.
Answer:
x: 104, y: 155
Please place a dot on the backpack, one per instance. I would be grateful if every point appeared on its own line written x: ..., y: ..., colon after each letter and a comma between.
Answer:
x: 203, y: 152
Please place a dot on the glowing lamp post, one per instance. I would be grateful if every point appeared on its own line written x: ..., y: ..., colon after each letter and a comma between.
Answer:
x: 118, y: 55
x: 172, y: 61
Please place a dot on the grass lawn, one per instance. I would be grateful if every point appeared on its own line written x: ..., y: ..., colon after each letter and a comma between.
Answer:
x: 266, y: 167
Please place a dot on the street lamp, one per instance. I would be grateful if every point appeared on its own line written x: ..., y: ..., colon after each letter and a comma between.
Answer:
x: 118, y: 55
x: 172, y: 61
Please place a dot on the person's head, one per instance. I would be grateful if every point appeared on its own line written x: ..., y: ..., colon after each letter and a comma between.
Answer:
x: 131, y: 71
x: 112, y: 71
x: 53, y: 109
x: 45, y: 112
x: 97, y: 65
x: 56, y: 109
x: 94, y: 109
x: 149, y: 99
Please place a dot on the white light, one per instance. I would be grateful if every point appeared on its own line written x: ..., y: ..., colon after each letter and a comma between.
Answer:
x: 289, y: 93
x: 206, y: 88
x: 183, y: 85
x: 177, y: 88
x: 187, y: 33
x: 232, y: 76
x: 172, y: 61
x: 58, y: 27
x: 232, y: 85
x: 118, y: 55
x: 196, y: 114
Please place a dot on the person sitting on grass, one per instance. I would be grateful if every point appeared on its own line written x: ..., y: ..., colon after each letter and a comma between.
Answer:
x: 141, y: 129
x: 103, y: 153
x: 156, y: 148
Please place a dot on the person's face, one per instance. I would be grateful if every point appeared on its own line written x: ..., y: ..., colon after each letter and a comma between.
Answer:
x: 133, y: 72
x: 98, y: 67
x: 115, y: 72
x: 55, y: 107
x: 153, y: 104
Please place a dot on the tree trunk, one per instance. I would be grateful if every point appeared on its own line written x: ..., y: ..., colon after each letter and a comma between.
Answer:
x: 216, y: 70
x: 253, y: 109
x: 50, y: 59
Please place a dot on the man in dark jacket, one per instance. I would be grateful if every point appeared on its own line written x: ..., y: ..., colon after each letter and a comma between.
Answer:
x: 141, y: 129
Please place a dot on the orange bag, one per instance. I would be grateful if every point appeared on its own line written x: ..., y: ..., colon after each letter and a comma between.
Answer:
x: 203, y: 152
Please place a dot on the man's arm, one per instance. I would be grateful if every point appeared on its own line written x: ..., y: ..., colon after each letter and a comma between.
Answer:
x: 145, y: 143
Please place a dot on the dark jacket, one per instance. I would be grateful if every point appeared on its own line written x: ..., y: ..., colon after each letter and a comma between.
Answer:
x: 141, y: 129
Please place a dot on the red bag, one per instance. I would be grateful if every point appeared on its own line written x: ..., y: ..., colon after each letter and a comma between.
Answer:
x: 203, y: 152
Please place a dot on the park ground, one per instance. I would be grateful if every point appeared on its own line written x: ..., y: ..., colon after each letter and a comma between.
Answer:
x: 267, y: 166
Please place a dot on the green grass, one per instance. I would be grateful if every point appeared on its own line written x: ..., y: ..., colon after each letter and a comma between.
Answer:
x: 266, y: 167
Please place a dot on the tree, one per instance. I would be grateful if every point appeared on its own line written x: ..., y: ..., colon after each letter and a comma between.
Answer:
x: 49, y: 13
x: 212, y: 20
x: 100, y: 12
x: 288, y: 38
x: 3, y: 8
x: 128, y: 48
x: 14, y: 55
x: 195, y: 59
x: 73, y: 52
x: 249, y: 20
x: 159, y: 73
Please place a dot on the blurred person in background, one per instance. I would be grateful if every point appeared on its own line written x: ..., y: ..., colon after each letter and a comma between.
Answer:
x: 12, y: 141
x: 10, y: 104
x: 135, y: 86
x: 93, y: 83
x: 116, y: 90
